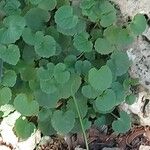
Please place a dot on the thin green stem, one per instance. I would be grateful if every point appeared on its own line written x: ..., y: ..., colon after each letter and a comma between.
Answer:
x: 81, y: 123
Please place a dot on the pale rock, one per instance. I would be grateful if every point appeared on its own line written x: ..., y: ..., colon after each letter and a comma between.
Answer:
x: 143, y: 147
x: 8, y: 136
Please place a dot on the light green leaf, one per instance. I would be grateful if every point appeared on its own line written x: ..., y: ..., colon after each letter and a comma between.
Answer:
x: 47, y: 4
x: 119, y: 91
x: 46, y: 47
x: 138, y: 25
x: 61, y: 74
x: 69, y: 88
x: 63, y: 122
x: 28, y: 36
x: 65, y: 18
x: 82, y: 67
x: 130, y: 99
x: 11, y: 7
x: 121, y: 61
x: 5, y: 95
x: 14, y: 25
x: 10, y: 54
x: 123, y: 124
x: 46, y: 100
x: 100, y: 79
x: 82, y: 104
x: 46, y: 74
x: 90, y: 92
x: 48, y: 86
x: 35, y: 2
x: 25, y: 106
x: 9, y: 78
x: 87, y: 4
x: 81, y: 42
x: 79, y: 28
x: 106, y: 101
x: 103, y: 46
x: 108, y: 19
x: 23, y: 129
x: 36, y: 18
x: 118, y: 36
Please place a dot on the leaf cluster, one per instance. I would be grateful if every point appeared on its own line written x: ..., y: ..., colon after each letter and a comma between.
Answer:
x: 56, y: 56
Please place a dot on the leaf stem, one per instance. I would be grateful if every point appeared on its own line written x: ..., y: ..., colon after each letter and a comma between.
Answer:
x: 81, y: 123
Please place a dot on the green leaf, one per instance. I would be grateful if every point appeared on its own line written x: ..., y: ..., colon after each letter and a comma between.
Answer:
x: 118, y: 36
x: 65, y: 18
x: 121, y: 61
x: 46, y: 47
x: 5, y: 95
x: 82, y: 67
x: 90, y: 92
x: 100, y: 79
x: 25, y: 106
x: 108, y: 19
x: 61, y: 74
x: 79, y: 28
x: 46, y: 127
x: 10, y: 54
x: 14, y: 25
x: 44, y: 114
x: 119, y: 91
x: 123, y: 124
x: 63, y: 122
x: 138, y: 25
x: 36, y: 18
x: 46, y: 74
x: 23, y: 128
x: 86, y: 4
x: 47, y: 4
x: 28, y: 36
x: 82, y: 104
x: 48, y: 86
x: 130, y: 99
x: 35, y: 2
x: 11, y: 7
x: 70, y: 88
x: 9, y: 78
x: 81, y: 42
x: 103, y: 46
x: 46, y: 100
x: 25, y: 73
x: 106, y: 101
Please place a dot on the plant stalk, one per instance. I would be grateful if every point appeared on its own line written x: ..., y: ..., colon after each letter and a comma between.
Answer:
x: 81, y: 123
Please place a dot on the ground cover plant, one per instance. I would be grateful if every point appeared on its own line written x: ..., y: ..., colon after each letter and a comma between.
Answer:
x: 64, y: 67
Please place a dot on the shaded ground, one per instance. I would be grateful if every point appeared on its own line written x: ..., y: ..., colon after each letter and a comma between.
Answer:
x: 99, y: 140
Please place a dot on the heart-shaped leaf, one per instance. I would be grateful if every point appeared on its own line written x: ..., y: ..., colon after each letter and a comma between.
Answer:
x: 5, y: 95
x: 23, y: 128
x: 9, y: 78
x: 100, y: 79
x: 123, y: 124
x: 25, y: 106
x: 103, y: 46
x: 10, y: 54
x: 138, y: 25
x: 65, y: 18
x: 61, y: 74
x: 81, y: 42
x: 63, y: 122
x: 14, y: 25
x: 106, y: 101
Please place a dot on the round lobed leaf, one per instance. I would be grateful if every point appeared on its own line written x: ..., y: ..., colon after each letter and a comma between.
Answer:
x: 100, y: 79
x: 65, y: 18
x: 63, y: 122
x: 25, y: 106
